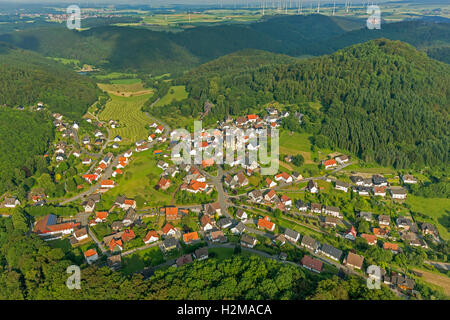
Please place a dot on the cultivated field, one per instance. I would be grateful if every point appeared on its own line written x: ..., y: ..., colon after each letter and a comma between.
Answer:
x: 125, y: 88
x: 131, y: 119
x: 436, y: 279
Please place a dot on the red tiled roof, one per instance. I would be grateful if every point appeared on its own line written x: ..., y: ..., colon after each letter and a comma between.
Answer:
x: 151, y: 233
x: 312, y: 263
x: 128, y: 235
x: 329, y: 162
x: 390, y: 246
x: 265, y: 223
x: 107, y: 183
x: 167, y: 228
x: 101, y: 214
x: 188, y: 237
x: 90, y: 253
x: 371, y: 238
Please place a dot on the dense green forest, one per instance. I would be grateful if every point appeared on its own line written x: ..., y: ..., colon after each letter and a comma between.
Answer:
x: 134, y: 49
x: 31, y: 269
x: 383, y: 100
x: 28, y: 78
x: 25, y: 137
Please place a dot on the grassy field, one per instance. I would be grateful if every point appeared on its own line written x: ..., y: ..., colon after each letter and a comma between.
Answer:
x: 437, y: 280
x: 435, y: 208
x: 296, y: 143
x: 132, y: 120
x: 176, y: 93
x: 139, y: 180
x: 141, y: 259
x: 115, y: 76
x: 125, y: 88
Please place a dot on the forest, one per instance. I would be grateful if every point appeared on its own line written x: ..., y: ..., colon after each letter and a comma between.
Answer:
x: 131, y: 49
x: 28, y: 78
x: 31, y: 269
x: 25, y: 137
x: 382, y: 100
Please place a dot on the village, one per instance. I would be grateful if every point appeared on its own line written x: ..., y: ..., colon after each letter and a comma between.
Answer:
x: 238, y: 215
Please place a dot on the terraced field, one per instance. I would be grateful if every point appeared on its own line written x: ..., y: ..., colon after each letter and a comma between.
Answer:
x: 131, y: 119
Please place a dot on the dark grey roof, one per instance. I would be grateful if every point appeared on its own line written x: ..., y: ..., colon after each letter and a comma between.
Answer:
x: 300, y: 204
x: 342, y: 184
x: 356, y: 179
x: 310, y: 242
x: 240, y: 227
x: 248, y: 239
x: 332, y: 251
x: 170, y: 242
x: 223, y: 222
x: 291, y: 233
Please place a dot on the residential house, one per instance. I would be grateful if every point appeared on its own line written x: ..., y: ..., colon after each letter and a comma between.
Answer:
x: 169, y: 230
x: 316, y: 207
x: 379, y: 180
x: 89, y: 206
x: 217, y: 236
x: 11, y: 202
x: 379, y: 191
x: 201, y: 253
x: 342, y: 159
x: 358, y: 180
x: 91, y: 256
x: 367, y: 216
x: 128, y: 235
x: 310, y: 243
x: 354, y: 260
x: 124, y: 203
x: 328, y: 164
x: 361, y: 190
x: 241, y: 214
x: 408, y: 179
x: 248, y: 241
x: 270, y: 183
x: 206, y: 222
x: 130, y: 217
x: 265, y: 223
x: 81, y: 234
x: 212, y: 209
x: 301, y: 206
x: 115, y: 262
x: 343, y: 186
x: 291, y: 235
x: 312, y: 186
x: 350, y: 234
x: 224, y: 223
x: 331, y: 252
x: 270, y: 196
x: 384, y: 220
x: 331, y: 221
x: 428, y: 228
x: 100, y: 216
x: 151, y: 236
x: 370, y: 238
x: 296, y: 176
x: 398, y: 193
x: 238, y: 228
x: 108, y: 184
x: 190, y: 237
x: 332, y: 211
x: 256, y: 196
x: 169, y: 244
x: 312, y: 264
x: 285, y: 200
x: 283, y: 177
x: 391, y: 246
x: 402, y: 282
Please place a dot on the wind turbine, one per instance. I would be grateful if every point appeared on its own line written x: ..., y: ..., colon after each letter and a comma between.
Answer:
x: 318, y: 6
x: 334, y: 7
